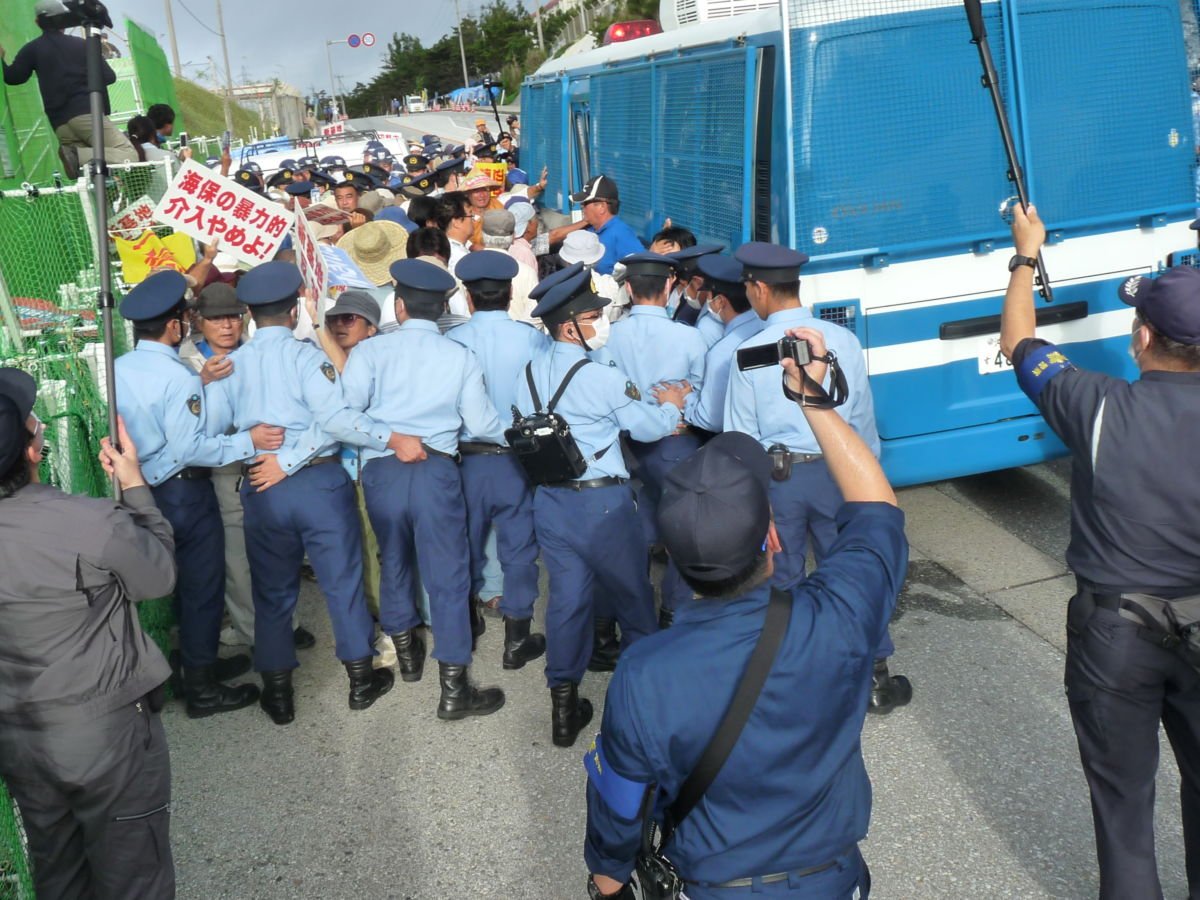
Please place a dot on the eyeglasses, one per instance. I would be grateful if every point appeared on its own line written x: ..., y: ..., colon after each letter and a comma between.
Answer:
x: 344, y: 319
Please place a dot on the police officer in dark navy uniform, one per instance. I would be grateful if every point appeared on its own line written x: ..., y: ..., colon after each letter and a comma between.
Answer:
x: 299, y: 499
x: 427, y: 389
x: 162, y: 402
x: 1135, y: 551
x: 588, y: 527
x: 785, y: 811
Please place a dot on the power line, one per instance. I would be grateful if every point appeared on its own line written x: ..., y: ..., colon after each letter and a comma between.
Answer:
x: 197, y: 18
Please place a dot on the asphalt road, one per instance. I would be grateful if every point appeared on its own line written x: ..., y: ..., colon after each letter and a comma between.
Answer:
x: 978, y: 790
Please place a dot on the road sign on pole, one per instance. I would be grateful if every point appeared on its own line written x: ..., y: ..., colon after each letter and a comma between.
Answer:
x: 368, y: 39
x: 354, y: 40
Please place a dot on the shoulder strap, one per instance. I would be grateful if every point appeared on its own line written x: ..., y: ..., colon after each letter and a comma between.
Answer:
x: 727, y: 734
x: 562, y: 387
x: 537, y: 401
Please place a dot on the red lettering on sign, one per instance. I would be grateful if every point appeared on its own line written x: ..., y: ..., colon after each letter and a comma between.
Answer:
x: 189, y: 182
x: 176, y: 207
x: 242, y: 211
x: 208, y: 192
x: 226, y: 201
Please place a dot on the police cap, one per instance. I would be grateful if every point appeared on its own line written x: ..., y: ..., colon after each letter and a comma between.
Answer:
x: 330, y: 162
x: 723, y: 273
x: 319, y: 177
x: 416, y: 162
x: 360, y: 179
x: 770, y: 263
x: 449, y: 165
x: 299, y: 188
x: 311, y: 162
x: 269, y: 283
x: 715, y: 510
x: 554, y: 279
x: 486, y: 270
x: 416, y: 185
x: 687, y: 258
x: 417, y: 279
x: 249, y: 179
x: 371, y: 170
x: 568, y: 298
x: 648, y: 264
x: 282, y: 178
x: 1170, y: 302
x: 155, y: 297
x: 289, y: 164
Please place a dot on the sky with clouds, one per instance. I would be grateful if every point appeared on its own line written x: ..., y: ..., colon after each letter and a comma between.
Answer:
x: 286, y: 38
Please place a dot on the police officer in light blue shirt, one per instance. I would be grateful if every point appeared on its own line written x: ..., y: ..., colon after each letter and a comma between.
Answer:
x: 429, y: 388
x: 651, y: 350
x: 729, y: 309
x: 588, y: 527
x: 804, y: 498
x: 496, y: 489
x: 688, y: 299
x: 298, y: 500
x: 162, y: 402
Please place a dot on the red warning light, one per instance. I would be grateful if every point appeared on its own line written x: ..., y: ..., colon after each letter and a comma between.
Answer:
x: 628, y: 31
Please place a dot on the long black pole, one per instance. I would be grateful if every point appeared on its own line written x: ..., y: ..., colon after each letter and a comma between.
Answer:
x: 991, y: 82
x: 97, y: 91
x: 488, y: 85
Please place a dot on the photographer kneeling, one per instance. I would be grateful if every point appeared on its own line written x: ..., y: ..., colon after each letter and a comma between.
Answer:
x: 739, y: 727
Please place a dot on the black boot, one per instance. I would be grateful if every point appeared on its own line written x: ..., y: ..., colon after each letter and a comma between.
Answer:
x: 410, y: 654
x: 304, y: 639
x: 569, y: 714
x: 225, y: 668
x: 605, y: 646
x: 666, y: 617
x: 520, y: 646
x: 887, y: 691
x: 367, y: 684
x: 478, y: 622
x: 276, y: 699
x: 205, y: 696
x: 460, y: 698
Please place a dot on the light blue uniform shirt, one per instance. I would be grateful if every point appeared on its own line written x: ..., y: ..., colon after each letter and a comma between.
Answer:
x: 711, y: 328
x: 163, y: 404
x: 708, y: 412
x: 419, y: 382
x: 756, y: 404
x: 278, y: 380
x: 503, y: 348
x: 597, y: 405
x: 649, y: 348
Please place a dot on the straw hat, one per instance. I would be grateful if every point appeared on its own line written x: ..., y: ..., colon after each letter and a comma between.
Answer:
x: 374, y: 247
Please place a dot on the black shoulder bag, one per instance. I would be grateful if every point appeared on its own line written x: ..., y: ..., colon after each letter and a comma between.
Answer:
x: 542, y: 441
x: 656, y: 875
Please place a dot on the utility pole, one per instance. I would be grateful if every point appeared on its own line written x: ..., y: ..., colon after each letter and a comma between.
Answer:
x: 461, y: 48
x: 174, y: 44
x: 228, y: 74
x: 333, y: 92
x: 538, y: 16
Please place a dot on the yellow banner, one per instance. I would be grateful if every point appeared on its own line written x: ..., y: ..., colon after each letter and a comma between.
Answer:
x: 149, y: 253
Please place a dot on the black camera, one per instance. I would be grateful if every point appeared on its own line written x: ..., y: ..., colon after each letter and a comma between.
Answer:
x: 772, y: 354
x: 90, y: 13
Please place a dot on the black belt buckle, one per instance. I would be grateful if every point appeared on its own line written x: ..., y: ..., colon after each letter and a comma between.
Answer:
x: 781, y: 462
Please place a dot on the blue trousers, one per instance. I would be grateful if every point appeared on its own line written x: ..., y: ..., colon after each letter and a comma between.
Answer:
x: 191, y: 508
x: 806, y: 506
x: 311, y: 511
x: 418, y: 512
x: 838, y: 882
x: 497, y: 493
x: 592, y: 546
x: 654, y: 462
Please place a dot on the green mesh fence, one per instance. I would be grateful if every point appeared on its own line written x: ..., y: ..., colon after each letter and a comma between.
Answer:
x: 50, y: 328
x: 153, y: 74
x: 124, y: 97
x: 28, y: 150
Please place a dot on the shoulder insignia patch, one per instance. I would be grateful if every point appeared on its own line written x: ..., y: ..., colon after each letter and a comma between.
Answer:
x: 193, y: 405
x: 328, y: 371
x: 632, y: 392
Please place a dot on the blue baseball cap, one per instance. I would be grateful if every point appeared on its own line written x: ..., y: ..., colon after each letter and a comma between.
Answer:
x: 648, y: 264
x: 518, y: 176
x: 155, y: 297
x: 1170, y: 303
x: 269, y: 283
x: 715, y: 509
x: 770, y: 263
x: 554, y: 279
x: 487, y: 270
x: 571, y: 296
x: 417, y: 279
x: 299, y: 188
x: 397, y: 215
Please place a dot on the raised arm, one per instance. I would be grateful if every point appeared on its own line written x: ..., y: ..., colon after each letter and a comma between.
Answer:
x: 1018, y: 319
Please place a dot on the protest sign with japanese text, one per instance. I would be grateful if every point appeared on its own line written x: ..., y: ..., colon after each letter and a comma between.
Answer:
x: 205, y: 206
x: 130, y: 222
x: 309, y: 259
x: 342, y: 270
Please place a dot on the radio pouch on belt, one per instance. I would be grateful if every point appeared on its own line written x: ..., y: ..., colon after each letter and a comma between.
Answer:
x: 542, y: 441
x: 1177, y: 621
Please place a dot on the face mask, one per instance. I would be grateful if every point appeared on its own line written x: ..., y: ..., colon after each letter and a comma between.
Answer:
x: 602, y: 327
x: 712, y: 312
x: 693, y: 302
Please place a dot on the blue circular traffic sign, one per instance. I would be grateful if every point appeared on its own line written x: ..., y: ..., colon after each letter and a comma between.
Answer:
x: 354, y: 40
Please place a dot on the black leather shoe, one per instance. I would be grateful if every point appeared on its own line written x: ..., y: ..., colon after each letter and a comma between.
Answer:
x: 305, y: 639
x: 460, y: 698
x: 205, y: 696
x: 606, y: 649
x: 666, y: 617
x: 569, y: 714
x: 478, y: 622
x: 367, y: 684
x: 887, y: 691
x: 520, y: 646
x: 410, y: 654
x: 277, y: 698
x: 225, y: 668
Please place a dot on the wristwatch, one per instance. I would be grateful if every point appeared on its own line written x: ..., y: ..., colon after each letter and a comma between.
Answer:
x: 1018, y: 260
x: 594, y: 892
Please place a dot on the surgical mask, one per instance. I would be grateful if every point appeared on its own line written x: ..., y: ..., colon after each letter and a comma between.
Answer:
x: 712, y: 312
x: 602, y: 330
x: 693, y: 302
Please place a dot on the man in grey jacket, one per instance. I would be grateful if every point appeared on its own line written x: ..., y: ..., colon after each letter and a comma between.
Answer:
x: 81, y: 745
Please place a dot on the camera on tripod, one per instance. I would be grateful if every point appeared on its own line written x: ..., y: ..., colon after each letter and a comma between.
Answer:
x: 72, y: 14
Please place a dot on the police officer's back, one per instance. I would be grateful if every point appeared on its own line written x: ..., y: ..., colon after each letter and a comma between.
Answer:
x: 786, y: 810
x: 1135, y: 550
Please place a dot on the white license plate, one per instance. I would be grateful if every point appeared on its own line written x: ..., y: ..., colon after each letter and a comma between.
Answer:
x: 991, y: 360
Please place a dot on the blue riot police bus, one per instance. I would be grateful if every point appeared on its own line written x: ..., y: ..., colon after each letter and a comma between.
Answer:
x: 858, y: 132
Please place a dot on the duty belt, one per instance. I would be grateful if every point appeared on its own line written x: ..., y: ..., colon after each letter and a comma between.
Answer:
x: 453, y: 457
x: 193, y: 473
x: 774, y: 878
x: 248, y: 468
x: 480, y: 448
x: 805, y: 457
x: 607, y: 481
x: 1126, y: 610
